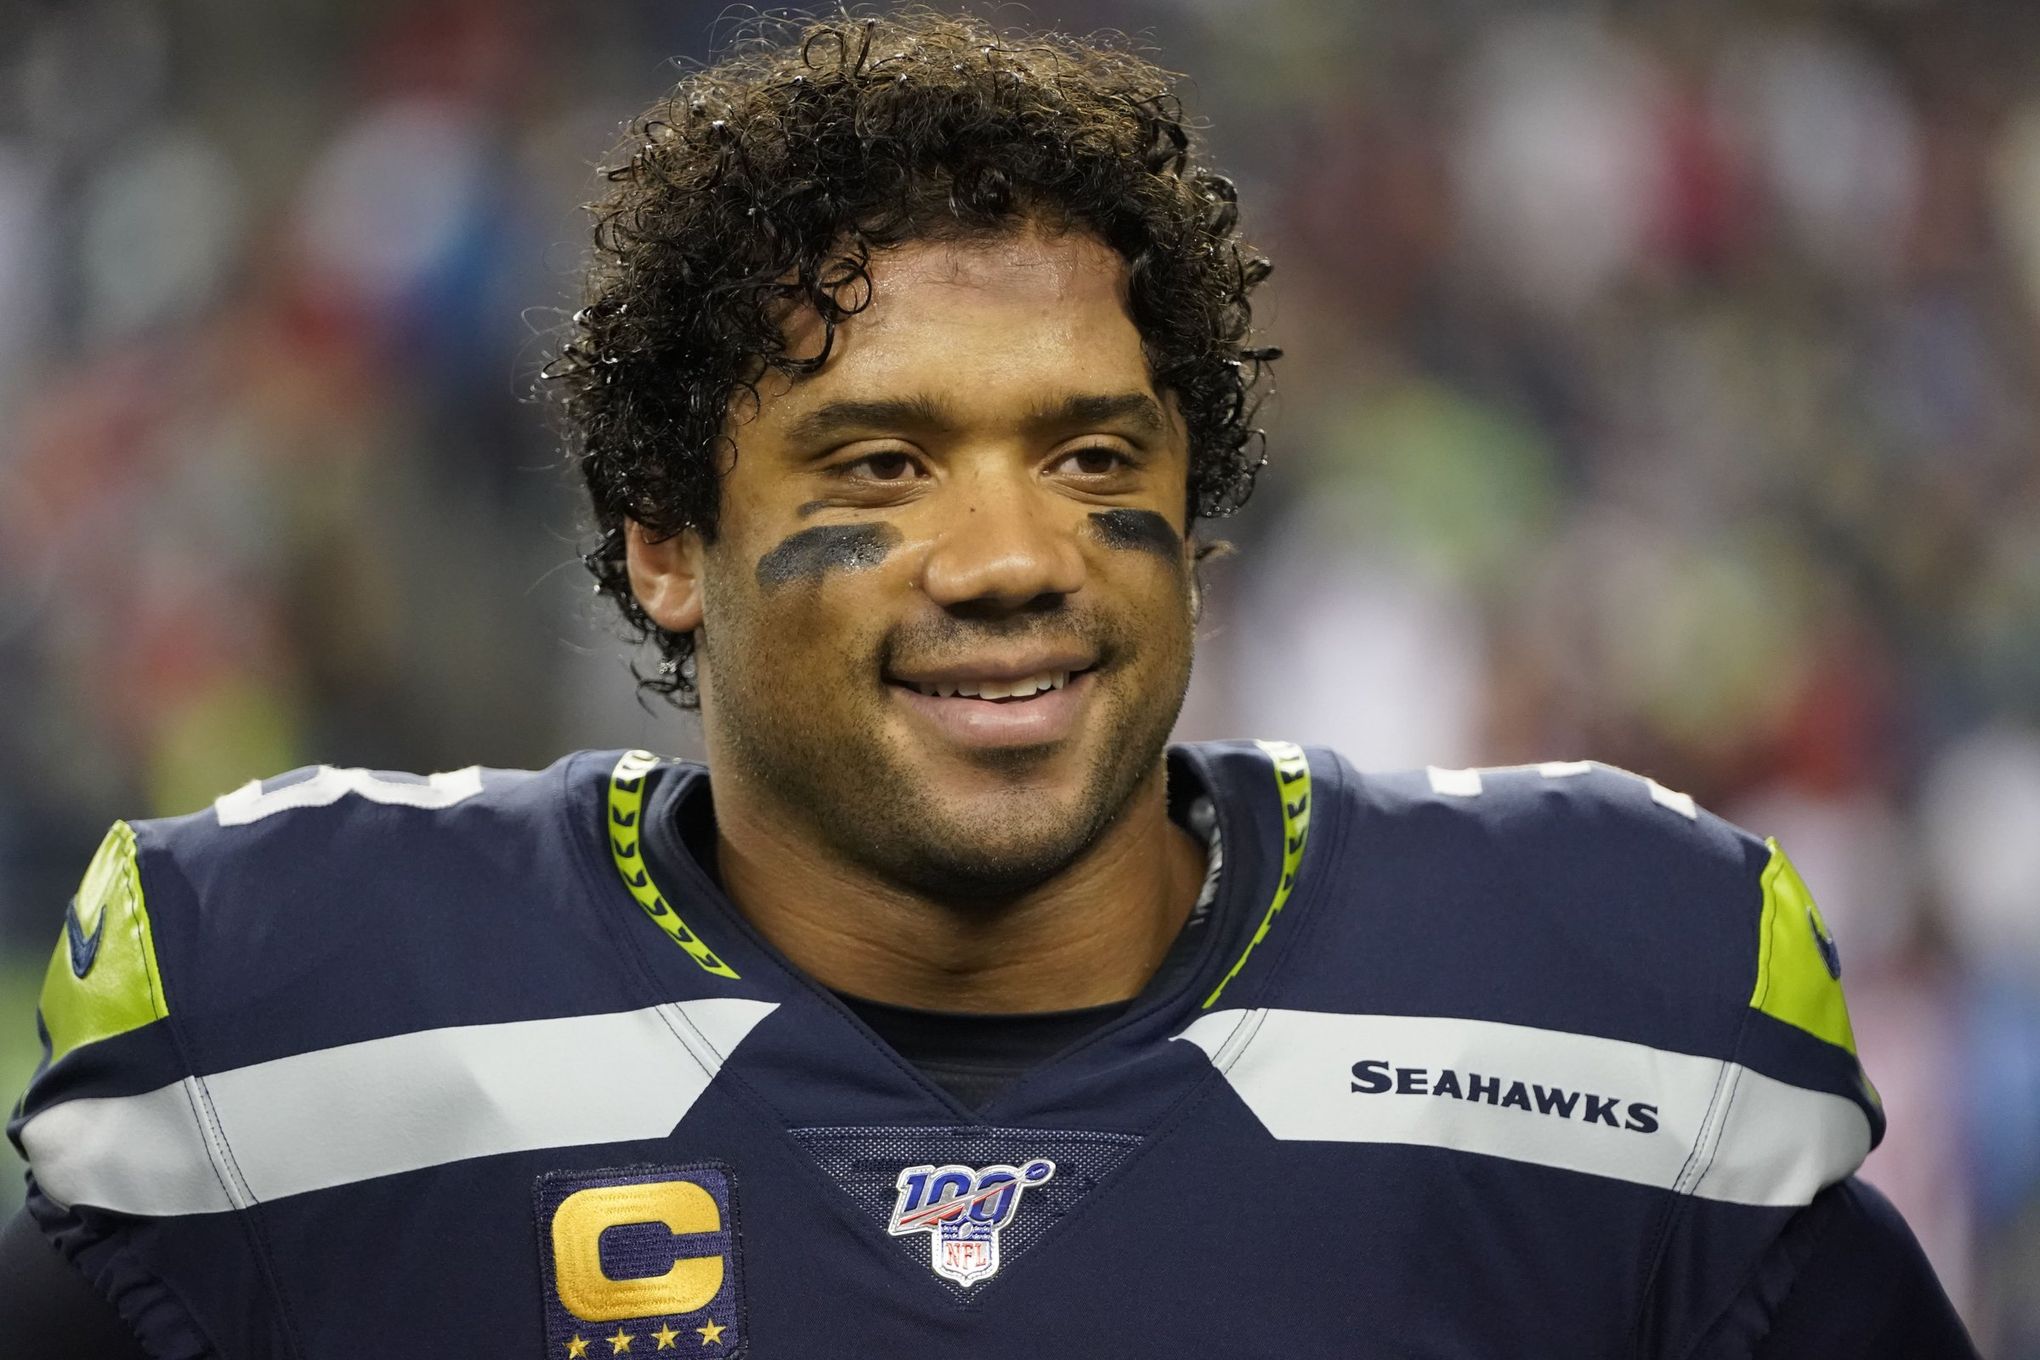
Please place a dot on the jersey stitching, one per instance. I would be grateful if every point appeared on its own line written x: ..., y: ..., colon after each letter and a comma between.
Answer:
x: 143, y: 944
x: 602, y: 884
x: 1701, y: 1154
x: 674, y: 1011
x: 1133, y: 1143
x: 957, y: 1112
x: 661, y: 910
x: 1285, y: 877
x: 187, y: 1049
x: 605, y: 884
x: 738, y: 1087
x: 1318, y: 850
x: 1734, y: 1072
x: 1238, y: 1039
x: 226, y: 1149
x: 1211, y: 1079
x: 1676, y: 1202
x: 212, y: 1152
x: 1765, y: 924
x: 1143, y: 1009
x: 1680, y: 1201
x: 634, y: 948
x: 1679, y: 1204
x: 635, y: 952
x: 1172, y: 1119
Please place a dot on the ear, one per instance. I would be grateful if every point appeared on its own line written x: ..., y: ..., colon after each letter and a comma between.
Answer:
x: 665, y: 575
x: 1197, y: 551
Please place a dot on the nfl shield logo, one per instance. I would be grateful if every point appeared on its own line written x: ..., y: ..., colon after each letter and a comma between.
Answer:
x: 962, y: 1209
x: 966, y: 1260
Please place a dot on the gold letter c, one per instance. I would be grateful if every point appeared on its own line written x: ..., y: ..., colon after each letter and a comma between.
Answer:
x: 577, y: 1228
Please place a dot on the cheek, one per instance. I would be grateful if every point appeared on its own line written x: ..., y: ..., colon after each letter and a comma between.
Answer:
x: 791, y: 611
x: 1154, y: 607
x: 1128, y: 533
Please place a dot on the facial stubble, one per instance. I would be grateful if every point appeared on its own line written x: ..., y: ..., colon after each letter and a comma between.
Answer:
x: 831, y: 767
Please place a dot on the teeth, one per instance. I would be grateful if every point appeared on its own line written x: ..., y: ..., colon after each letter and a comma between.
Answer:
x: 1023, y: 688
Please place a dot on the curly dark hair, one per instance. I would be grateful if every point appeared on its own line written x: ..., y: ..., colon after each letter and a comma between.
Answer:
x: 769, y: 178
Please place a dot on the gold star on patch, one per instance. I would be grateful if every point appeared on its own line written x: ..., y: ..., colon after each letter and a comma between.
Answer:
x: 619, y: 1343
x: 576, y: 1349
x: 665, y: 1337
x: 711, y: 1333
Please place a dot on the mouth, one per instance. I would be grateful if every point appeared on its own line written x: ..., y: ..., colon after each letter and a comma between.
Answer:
x: 993, y: 691
x: 999, y: 707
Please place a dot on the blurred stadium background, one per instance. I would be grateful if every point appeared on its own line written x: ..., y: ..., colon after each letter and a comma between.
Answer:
x: 1661, y: 388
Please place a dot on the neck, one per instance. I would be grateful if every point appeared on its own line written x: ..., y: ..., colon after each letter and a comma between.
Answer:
x: 1091, y: 935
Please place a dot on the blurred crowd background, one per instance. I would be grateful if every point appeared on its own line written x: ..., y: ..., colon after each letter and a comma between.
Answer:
x: 1661, y: 388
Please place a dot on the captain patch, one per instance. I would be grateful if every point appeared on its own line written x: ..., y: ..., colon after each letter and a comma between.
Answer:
x: 640, y: 1261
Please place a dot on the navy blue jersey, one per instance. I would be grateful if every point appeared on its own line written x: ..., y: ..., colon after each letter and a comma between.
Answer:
x: 1540, y: 1061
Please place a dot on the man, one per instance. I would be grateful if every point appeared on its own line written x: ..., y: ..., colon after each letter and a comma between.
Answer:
x: 955, y: 1014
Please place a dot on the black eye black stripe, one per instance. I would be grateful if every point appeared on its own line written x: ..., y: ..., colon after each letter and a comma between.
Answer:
x: 1140, y: 530
x: 811, y: 554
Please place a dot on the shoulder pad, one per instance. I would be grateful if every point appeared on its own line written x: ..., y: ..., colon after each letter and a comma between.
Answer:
x: 1571, y: 893
x: 103, y: 979
x: 1577, y: 898
x: 322, y: 906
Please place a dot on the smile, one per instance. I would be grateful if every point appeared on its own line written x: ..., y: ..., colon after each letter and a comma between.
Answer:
x: 1028, y: 710
x: 1024, y: 688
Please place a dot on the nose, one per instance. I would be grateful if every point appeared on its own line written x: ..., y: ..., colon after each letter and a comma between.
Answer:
x: 1005, y: 544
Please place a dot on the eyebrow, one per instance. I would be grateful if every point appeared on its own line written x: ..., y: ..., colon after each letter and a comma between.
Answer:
x: 835, y: 419
x: 1138, y: 408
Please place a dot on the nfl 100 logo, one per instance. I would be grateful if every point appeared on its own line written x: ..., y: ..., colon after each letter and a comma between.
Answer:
x: 963, y: 1210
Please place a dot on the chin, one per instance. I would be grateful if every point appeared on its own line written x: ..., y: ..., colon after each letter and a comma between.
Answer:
x: 978, y: 876
x: 993, y: 848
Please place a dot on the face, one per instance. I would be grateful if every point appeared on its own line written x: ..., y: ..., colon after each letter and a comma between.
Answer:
x: 946, y: 621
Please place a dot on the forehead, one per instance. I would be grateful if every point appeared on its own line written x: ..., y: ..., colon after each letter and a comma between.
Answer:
x: 984, y: 323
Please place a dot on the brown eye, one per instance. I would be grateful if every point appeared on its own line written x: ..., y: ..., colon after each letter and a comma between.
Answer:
x: 1097, y: 461
x: 883, y: 467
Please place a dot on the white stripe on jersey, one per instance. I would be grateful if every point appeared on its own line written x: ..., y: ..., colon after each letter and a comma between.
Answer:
x: 1722, y: 1131
x: 383, y: 1106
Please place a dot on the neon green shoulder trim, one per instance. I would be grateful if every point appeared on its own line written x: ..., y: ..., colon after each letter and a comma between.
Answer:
x: 102, y: 979
x: 1798, y: 970
x: 1292, y: 784
x: 626, y: 808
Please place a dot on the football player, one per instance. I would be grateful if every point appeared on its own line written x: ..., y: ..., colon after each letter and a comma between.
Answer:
x: 948, y: 1010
